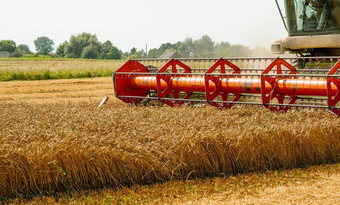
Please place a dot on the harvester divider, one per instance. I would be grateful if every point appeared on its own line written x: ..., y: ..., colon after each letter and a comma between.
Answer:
x: 276, y: 83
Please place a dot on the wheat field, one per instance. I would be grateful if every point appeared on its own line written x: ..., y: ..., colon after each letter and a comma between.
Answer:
x: 53, y: 139
x: 51, y: 91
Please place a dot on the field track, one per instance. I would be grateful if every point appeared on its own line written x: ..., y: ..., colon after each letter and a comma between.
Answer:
x: 53, y: 138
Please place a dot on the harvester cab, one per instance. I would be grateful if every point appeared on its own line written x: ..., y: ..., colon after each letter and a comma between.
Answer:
x: 313, y: 28
x: 275, y: 83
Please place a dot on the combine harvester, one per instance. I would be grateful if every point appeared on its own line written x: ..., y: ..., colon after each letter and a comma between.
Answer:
x: 276, y: 83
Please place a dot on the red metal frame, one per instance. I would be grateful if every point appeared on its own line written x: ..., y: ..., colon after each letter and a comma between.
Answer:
x: 162, y: 76
x: 213, y: 90
x: 121, y: 82
x: 268, y: 96
x: 332, y: 101
x: 133, y: 83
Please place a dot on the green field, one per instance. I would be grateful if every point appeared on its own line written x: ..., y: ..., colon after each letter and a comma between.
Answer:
x: 55, y: 68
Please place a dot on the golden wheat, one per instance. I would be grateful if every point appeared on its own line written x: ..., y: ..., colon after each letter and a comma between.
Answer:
x: 47, y: 91
x: 311, y: 185
x: 75, y: 146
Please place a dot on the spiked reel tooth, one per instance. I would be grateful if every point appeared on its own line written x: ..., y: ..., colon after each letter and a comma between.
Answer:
x: 271, y: 82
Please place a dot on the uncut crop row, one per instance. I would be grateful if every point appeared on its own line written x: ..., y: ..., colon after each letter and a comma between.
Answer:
x: 46, y: 148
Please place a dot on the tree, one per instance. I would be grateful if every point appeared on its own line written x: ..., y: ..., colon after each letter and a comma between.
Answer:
x: 61, y: 49
x: 164, y: 47
x: 153, y: 53
x: 17, y: 53
x: 186, y: 48
x: 44, y: 45
x: 75, y: 47
x: 221, y: 48
x: 203, y: 46
x: 21, y: 50
x: 7, y: 45
x: 133, y: 51
x: 24, y: 48
x: 137, y: 54
x: 106, y: 47
x: 90, y: 52
x: 114, y: 53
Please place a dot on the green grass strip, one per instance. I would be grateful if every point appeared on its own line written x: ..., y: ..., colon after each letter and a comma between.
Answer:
x: 47, y: 74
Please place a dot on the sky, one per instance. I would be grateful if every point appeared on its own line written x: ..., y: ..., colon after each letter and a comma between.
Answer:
x: 137, y: 23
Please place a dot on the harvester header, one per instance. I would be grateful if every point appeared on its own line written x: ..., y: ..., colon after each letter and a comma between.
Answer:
x: 272, y: 82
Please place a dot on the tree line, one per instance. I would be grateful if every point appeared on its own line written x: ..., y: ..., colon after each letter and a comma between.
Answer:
x: 86, y: 45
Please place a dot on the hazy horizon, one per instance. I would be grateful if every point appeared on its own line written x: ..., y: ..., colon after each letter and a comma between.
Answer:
x: 135, y: 23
